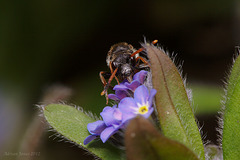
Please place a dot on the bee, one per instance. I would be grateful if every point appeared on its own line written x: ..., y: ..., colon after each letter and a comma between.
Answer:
x: 123, y: 61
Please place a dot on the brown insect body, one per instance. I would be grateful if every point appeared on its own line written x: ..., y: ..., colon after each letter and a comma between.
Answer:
x: 123, y: 61
x: 119, y: 56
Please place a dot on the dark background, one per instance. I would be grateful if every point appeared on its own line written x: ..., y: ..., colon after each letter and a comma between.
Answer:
x: 43, y: 43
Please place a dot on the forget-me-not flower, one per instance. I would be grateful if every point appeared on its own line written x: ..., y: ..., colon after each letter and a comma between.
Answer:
x: 111, y: 123
x: 141, y: 104
x: 126, y: 89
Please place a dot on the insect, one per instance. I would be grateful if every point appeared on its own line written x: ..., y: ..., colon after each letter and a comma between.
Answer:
x: 123, y: 61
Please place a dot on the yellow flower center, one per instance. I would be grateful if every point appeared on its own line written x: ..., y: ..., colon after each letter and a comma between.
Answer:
x: 142, y: 109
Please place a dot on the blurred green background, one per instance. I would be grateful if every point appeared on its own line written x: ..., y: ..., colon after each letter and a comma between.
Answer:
x: 44, y: 43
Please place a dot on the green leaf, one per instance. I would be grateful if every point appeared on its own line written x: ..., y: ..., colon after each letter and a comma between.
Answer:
x: 174, y: 110
x: 231, y: 118
x: 206, y: 98
x: 72, y: 123
x: 144, y: 142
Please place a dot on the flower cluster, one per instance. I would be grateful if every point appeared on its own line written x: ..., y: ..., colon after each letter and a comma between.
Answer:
x: 126, y: 89
x: 134, y: 99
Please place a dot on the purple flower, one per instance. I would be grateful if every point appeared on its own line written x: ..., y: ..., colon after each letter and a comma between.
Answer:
x: 111, y: 116
x: 119, y: 94
x: 141, y: 104
x: 95, y: 129
x: 126, y: 89
x: 134, y: 99
x: 112, y: 122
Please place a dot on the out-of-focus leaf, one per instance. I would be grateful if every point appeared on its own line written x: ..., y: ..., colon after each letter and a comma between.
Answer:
x: 72, y: 123
x: 144, y: 142
x: 174, y: 110
x: 231, y: 117
x: 206, y: 98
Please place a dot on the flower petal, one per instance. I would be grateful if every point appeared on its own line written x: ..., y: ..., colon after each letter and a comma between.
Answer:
x: 111, y: 116
x: 117, y: 114
x: 141, y: 95
x: 89, y: 139
x: 140, y: 76
x: 108, y: 132
x: 150, y: 111
x: 122, y: 94
x: 107, y: 109
x: 127, y: 105
x: 133, y: 85
x: 113, y: 97
x: 115, y: 106
x: 96, y: 128
x: 107, y: 116
x: 120, y: 87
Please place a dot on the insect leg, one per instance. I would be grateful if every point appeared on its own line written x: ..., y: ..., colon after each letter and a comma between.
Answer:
x: 104, y: 92
x: 143, y: 60
x: 141, y: 49
x: 110, y: 66
x: 102, y: 77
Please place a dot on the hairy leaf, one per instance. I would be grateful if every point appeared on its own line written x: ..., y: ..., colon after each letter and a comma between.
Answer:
x: 72, y: 124
x: 231, y: 118
x: 174, y: 110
